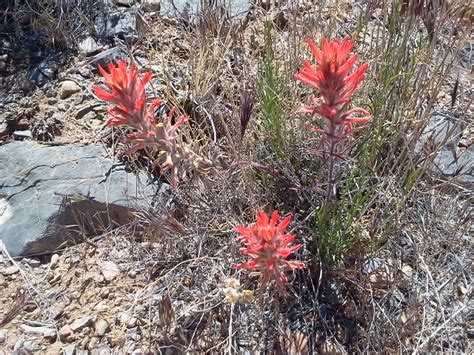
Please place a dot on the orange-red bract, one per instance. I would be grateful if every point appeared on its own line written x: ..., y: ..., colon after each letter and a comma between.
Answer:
x: 126, y: 91
x: 268, y: 247
x: 333, y: 79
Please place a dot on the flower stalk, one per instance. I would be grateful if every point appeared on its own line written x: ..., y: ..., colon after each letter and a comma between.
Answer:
x: 335, y: 84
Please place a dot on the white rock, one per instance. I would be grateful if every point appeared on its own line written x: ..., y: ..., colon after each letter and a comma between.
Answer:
x: 101, y: 327
x: 123, y: 2
x: 54, y: 259
x: 101, y: 306
x: 32, y: 262
x: 88, y: 46
x: 3, y: 336
x: 68, y: 88
x: 37, y: 330
x: 109, y: 269
x: 69, y: 350
x: 127, y: 320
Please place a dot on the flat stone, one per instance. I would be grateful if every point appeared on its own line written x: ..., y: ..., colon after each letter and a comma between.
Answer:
x: 10, y: 270
x: 37, y: 330
x: 68, y: 88
x: 126, y: 3
x: 32, y: 262
x: 44, y: 188
x: 456, y: 164
x: 81, y: 112
x: 110, y: 55
x: 80, y: 323
x: 23, y: 134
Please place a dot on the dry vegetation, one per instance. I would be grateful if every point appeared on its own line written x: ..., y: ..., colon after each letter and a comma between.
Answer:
x: 389, y: 264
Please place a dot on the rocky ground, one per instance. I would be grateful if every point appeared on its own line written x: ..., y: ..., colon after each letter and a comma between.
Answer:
x: 125, y: 290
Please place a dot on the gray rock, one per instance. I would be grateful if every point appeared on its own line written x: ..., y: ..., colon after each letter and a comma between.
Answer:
x: 10, y: 270
x: 31, y: 346
x: 466, y: 55
x: 53, y: 195
x: 3, y: 129
x: 42, y: 72
x: 451, y: 162
x: 88, y: 46
x: 126, y: 319
x: 55, y: 312
x: 47, y: 333
x: 67, y: 88
x: 237, y: 8
x: 110, y: 55
x: 32, y: 262
x: 456, y: 164
x: 3, y: 336
x: 101, y: 350
x: 122, y: 24
x: 151, y: 5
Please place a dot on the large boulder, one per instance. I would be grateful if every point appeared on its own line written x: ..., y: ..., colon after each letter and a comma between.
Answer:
x: 51, y: 196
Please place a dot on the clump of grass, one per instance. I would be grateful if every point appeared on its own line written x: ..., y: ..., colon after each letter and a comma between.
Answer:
x: 270, y: 100
x: 52, y: 24
x: 385, y: 168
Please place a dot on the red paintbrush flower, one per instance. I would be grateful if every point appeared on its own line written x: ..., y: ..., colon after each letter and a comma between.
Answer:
x: 268, y: 247
x: 126, y: 91
x: 332, y: 78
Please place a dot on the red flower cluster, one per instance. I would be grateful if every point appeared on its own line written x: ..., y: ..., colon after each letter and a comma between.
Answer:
x: 332, y: 79
x: 127, y: 94
x: 268, y: 248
